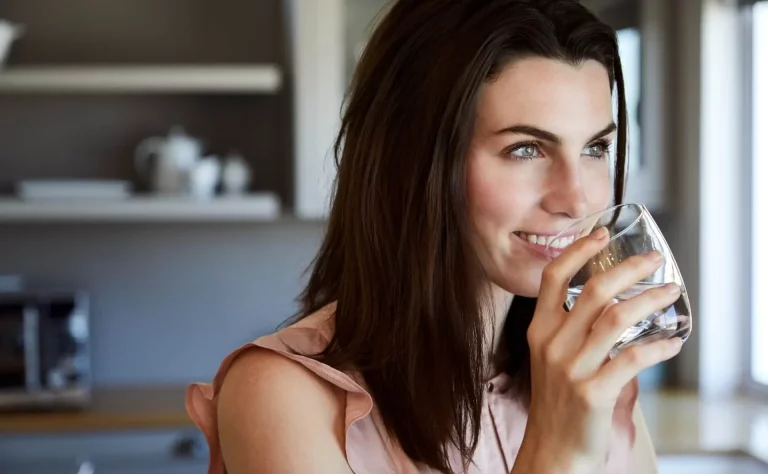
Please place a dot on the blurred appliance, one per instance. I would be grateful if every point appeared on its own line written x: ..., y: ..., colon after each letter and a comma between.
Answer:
x: 44, y: 350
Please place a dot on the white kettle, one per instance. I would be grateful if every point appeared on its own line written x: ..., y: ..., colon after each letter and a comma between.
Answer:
x: 9, y: 32
x: 166, y: 162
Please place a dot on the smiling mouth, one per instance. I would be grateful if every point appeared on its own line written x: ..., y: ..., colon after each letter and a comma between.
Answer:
x: 543, y: 241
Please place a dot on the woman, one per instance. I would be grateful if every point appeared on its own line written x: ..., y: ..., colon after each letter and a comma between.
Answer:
x: 474, y: 131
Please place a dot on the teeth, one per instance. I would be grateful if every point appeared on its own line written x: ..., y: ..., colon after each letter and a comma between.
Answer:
x: 563, y: 242
x: 560, y: 243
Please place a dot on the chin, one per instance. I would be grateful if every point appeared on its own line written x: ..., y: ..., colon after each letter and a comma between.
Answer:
x: 530, y: 290
x: 526, y: 283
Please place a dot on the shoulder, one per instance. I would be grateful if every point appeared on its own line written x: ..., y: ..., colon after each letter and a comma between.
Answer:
x: 271, y: 407
x: 264, y: 375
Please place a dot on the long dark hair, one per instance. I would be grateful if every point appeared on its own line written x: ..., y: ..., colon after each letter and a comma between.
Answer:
x: 397, y: 257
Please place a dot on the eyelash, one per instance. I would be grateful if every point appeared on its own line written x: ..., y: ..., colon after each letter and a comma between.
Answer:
x: 605, y: 144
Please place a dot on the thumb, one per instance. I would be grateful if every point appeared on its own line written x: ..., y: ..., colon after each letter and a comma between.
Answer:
x: 625, y: 406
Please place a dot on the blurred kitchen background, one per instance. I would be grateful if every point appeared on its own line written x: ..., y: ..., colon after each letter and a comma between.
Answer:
x: 164, y: 175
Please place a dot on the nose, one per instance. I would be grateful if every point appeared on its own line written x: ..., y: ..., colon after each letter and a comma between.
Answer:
x: 565, y: 194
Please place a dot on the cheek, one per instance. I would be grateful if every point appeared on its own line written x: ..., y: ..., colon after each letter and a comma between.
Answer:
x: 496, y: 196
x: 598, y: 188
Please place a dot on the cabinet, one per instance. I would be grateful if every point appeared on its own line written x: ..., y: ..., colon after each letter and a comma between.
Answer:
x: 104, y: 466
x: 136, y: 452
x: 80, y: 91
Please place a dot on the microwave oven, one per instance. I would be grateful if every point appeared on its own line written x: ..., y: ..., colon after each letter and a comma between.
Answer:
x: 44, y: 350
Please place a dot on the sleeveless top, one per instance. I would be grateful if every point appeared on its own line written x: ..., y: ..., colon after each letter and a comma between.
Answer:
x: 368, y: 448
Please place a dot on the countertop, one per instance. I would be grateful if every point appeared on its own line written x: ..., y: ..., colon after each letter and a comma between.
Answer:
x: 679, y: 422
x: 111, y: 409
x: 682, y: 423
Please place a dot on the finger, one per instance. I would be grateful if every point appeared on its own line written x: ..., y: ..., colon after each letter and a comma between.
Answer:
x: 614, y: 375
x: 618, y: 318
x: 590, y: 223
x: 602, y: 289
x: 557, y: 275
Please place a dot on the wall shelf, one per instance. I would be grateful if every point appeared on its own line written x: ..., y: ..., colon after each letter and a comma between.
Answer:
x: 252, y: 208
x: 222, y: 79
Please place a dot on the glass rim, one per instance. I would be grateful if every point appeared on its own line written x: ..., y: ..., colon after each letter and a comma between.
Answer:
x: 643, y: 210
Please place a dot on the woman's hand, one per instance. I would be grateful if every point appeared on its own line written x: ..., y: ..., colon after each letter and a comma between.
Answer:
x: 573, y: 389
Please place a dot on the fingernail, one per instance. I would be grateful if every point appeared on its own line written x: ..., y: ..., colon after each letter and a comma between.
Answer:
x: 673, y: 288
x: 600, y: 233
x: 655, y: 256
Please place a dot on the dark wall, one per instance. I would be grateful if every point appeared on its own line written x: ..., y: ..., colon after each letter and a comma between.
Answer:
x: 147, y: 31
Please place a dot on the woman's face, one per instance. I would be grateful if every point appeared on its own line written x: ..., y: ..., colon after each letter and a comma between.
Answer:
x: 538, y: 160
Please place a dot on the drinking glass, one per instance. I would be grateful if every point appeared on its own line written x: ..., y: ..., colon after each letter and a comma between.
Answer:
x: 632, y: 231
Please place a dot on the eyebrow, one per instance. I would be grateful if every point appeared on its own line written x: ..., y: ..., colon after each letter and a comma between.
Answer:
x: 549, y: 136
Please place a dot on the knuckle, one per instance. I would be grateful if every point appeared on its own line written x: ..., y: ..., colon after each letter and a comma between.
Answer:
x: 551, y: 274
x: 572, y: 373
x: 616, y: 318
x: 594, y: 396
x: 595, y: 289
x: 587, y: 394
x: 635, y: 356
x: 532, y: 335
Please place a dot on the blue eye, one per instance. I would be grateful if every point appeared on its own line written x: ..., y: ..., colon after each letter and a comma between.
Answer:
x: 528, y: 151
x: 597, y: 150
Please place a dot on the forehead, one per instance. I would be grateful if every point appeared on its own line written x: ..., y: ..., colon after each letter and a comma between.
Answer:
x: 566, y: 99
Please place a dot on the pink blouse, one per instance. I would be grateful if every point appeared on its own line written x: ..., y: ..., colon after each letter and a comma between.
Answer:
x: 368, y: 448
